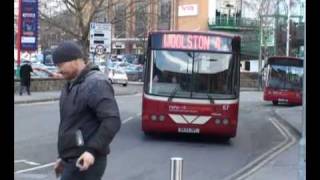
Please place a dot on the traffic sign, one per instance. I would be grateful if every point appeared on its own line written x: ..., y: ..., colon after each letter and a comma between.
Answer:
x: 100, y: 49
x: 100, y: 34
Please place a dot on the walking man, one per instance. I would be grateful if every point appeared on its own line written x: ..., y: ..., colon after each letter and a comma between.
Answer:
x: 89, y: 116
x: 25, y: 77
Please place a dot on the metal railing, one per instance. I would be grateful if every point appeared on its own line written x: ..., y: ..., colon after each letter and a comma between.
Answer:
x: 233, y: 22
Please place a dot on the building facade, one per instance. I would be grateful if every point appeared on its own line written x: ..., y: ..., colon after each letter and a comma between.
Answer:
x: 218, y: 15
x: 133, y: 20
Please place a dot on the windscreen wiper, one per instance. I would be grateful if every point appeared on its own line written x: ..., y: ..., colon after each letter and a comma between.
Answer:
x: 172, y: 94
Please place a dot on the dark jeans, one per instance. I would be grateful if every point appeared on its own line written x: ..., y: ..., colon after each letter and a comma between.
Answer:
x: 22, y: 87
x: 95, y: 171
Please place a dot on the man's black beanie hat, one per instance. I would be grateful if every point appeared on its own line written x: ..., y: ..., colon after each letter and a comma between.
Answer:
x: 66, y: 51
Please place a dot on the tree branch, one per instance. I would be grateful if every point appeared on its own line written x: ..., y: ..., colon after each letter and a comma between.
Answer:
x: 64, y: 28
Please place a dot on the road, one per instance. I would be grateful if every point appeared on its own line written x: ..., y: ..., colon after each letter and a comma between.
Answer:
x: 137, y: 157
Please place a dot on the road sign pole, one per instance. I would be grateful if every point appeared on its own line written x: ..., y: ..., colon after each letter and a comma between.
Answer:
x: 18, y: 40
x: 93, y: 57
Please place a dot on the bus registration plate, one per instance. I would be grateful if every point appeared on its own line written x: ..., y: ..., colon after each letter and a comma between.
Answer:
x: 283, y: 100
x: 189, y: 130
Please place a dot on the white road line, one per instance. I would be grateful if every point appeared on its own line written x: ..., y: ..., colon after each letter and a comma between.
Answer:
x: 35, y: 168
x: 131, y: 118
x: 128, y: 119
x: 51, y: 164
x: 37, y: 103
x: 18, y: 161
x: 268, y: 156
x: 27, y: 162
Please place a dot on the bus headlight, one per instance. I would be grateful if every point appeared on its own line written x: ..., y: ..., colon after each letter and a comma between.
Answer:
x: 225, y: 121
x: 153, y: 117
x: 217, y: 121
x: 161, y: 117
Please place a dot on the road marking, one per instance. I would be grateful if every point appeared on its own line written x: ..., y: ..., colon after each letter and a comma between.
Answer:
x: 32, y: 176
x: 35, y: 168
x: 128, y: 95
x: 27, y: 162
x: 37, y: 103
x: 128, y: 119
x: 262, y: 160
x: 131, y: 118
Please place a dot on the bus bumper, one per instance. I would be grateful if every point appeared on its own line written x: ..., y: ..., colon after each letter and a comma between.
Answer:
x: 283, y: 96
x: 208, y: 129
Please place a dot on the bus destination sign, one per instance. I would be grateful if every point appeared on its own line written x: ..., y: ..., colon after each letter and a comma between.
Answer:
x: 192, y: 42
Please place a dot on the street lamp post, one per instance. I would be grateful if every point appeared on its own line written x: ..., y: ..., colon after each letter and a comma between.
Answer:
x: 302, y: 150
x: 260, y: 54
x: 288, y: 29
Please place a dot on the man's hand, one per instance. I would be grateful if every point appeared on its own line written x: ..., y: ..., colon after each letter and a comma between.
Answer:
x: 58, y: 167
x: 85, y: 161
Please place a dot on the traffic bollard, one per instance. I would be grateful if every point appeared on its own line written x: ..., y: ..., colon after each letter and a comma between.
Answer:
x: 176, y: 168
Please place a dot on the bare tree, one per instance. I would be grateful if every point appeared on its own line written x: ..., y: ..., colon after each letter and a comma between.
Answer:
x: 272, y: 14
x: 82, y: 13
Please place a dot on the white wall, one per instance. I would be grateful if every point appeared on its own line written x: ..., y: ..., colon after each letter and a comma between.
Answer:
x: 254, y: 66
x: 212, y: 6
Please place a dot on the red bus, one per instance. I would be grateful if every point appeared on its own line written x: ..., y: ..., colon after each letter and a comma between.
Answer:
x: 283, y: 78
x: 191, y: 83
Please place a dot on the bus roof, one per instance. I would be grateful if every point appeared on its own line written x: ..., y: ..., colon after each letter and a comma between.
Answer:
x: 196, y: 32
x: 284, y: 58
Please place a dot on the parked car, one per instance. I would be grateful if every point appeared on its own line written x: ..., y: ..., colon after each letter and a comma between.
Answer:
x: 113, y: 59
x: 134, y: 72
x: 137, y: 59
x: 118, y: 76
x: 116, y: 73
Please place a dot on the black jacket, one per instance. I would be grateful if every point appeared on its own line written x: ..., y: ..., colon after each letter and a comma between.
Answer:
x: 88, y: 104
x: 25, y: 74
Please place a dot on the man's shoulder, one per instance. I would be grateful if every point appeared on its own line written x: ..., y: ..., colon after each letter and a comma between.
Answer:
x: 96, y: 82
x: 96, y: 76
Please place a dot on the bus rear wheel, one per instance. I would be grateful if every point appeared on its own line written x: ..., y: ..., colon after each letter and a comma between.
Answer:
x: 275, y: 102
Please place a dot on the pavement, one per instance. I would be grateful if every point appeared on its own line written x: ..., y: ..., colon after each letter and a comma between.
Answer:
x: 284, y: 166
x: 54, y: 95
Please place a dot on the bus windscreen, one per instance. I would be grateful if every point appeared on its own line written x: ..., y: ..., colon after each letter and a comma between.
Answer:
x: 192, y: 74
x: 285, y: 77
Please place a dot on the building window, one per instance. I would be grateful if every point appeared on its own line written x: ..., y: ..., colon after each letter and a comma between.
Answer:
x: 100, y: 16
x: 141, y: 19
x: 164, y: 15
x: 228, y: 12
x: 120, y: 21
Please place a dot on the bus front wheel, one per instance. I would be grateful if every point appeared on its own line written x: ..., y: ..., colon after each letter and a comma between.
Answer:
x: 275, y: 102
